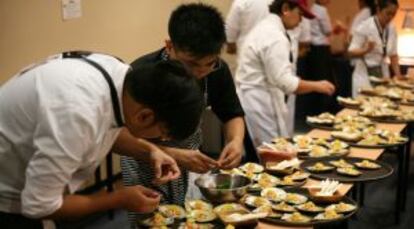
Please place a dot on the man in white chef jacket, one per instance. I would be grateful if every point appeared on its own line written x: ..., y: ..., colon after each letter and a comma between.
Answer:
x: 266, y: 73
x: 59, y: 119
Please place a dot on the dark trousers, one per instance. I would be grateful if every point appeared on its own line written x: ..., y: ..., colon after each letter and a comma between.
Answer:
x: 9, y: 220
x: 319, y: 66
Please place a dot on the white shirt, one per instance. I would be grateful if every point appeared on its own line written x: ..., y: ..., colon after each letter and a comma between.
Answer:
x: 321, y: 25
x: 264, y: 65
x: 367, y: 31
x: 56, y: 126
x: 303, y: 31
x: 361, y: 16
x: 242, y: 17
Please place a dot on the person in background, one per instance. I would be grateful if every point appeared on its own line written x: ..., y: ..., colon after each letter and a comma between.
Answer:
x: 319, y: 66
x: 60, y: 118
x: 266, y: 71
x: 372, y: 43
x: 367, y: 8
x: 242, y: 17
x: 196, y: 37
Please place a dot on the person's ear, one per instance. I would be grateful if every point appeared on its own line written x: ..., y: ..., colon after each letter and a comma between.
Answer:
x: 168, y: 46
x: 145, y: 117
x: 285, y: 8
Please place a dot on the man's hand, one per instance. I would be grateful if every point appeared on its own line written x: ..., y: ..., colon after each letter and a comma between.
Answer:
x: 138, y: 199
x: 368, y: 47
x: 194, y: 160
x: 165, y: 167
x: 325, y: 87
x: 231, y: 155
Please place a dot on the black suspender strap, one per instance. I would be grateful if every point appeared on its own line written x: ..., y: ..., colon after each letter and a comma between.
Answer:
x: 290, y: 48
x: 114, y: 96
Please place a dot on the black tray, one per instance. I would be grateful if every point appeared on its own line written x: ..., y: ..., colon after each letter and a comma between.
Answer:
x: 367, y: 174
x: 355, y: 144
x: 305, y: 192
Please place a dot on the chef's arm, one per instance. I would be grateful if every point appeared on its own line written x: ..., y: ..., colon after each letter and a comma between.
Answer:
x: 128, y: 145
x: 322, y: 86
x: 395, y: 65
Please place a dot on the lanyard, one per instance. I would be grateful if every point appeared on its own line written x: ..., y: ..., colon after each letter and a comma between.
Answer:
x: 82, y: 55
x: 290, y: 48
x: 381, y: 33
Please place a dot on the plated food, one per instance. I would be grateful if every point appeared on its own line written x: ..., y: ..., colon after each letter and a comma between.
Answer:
x: 341, y: 164
x: 339, y: 122
x: 283, y: 207
x: 255, y: 201
x: 202, y: 216
x: 399, y: 94
x: 348, y: 171
x: 172, y: 211
x: 252, y: 168
x: 320, y: 167
x: 308, y: 147
x: 370, y: 137
x: 342, y: 207
x: 274, y: 194
x: 361, y: 102
x: 198, y: 205
x: 228, y: 207
x: 297, y: 210
x: 366, y: 164
x: 296, y: 217
x: 294, y: 198
x: 310, y: 207
x: 157, y: 220
x: 329, y: 214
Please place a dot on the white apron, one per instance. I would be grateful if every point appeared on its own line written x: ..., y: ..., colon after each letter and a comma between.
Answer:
x: 266, y: 111
x: 360, y: 76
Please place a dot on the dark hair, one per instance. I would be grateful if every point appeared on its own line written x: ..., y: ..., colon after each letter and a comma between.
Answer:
x: 276, y: 6
x: 197, y: 28
x: 371, y: 4
x: 382, y: 4
x: 171, y: 92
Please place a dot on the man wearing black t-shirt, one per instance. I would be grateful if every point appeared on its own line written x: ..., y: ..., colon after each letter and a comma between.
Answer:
x: 197, y: 36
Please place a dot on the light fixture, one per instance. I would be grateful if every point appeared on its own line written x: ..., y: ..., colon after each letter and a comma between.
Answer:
x: 408, y: 22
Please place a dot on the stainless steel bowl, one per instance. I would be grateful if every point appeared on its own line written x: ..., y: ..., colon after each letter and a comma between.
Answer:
x: 220, y: 188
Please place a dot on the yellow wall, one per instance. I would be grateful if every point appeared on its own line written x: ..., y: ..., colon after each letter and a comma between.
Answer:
x: 33, y: 29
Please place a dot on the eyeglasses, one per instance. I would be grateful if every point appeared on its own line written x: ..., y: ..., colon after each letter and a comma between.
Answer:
x: 193, y: 63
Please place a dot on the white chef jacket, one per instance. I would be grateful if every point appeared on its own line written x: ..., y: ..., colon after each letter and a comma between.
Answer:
x: 263, y: 77
x: 56, y: 126
x: 367, y: 31
x: 360, y: 17
x: 242, y: 17
x: 321, y: 25
x: 299, y: 34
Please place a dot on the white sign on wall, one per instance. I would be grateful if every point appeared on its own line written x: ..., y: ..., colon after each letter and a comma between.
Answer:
x: 71, y: 9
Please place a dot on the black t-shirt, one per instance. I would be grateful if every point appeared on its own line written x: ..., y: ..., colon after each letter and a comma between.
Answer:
x: 221, y: 92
